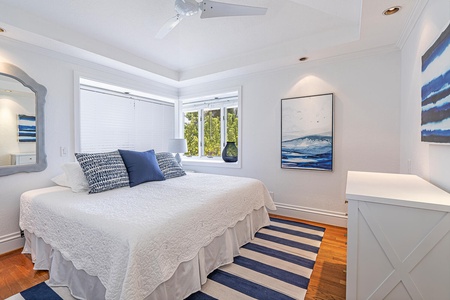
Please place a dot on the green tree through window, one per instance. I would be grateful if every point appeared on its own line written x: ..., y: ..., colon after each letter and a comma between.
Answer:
x: 232, y: 125
x: 210, y: 124
x: 191, y: 132
x: 211, y: 133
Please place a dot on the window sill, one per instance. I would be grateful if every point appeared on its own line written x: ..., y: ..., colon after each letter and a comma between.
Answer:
x: 209, y: 162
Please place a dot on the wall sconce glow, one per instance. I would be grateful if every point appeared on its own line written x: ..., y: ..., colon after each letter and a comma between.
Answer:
x: 309, y: 85
x: 391, y: 10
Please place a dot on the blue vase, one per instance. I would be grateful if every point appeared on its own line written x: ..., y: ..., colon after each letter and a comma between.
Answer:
x: 230, y: 152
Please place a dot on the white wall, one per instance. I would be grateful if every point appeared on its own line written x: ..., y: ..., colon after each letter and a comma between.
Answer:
x: 374, y: 130
x: 367, y: 110
x: 56, y: 73
x: 430, y: 161
x: 366, y: 121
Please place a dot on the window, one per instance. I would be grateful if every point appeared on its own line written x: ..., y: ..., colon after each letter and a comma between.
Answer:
x: 209, y: 123
x: 111, y: 120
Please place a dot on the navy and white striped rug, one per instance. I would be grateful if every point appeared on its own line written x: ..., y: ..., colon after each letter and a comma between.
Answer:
x: 277, y: 264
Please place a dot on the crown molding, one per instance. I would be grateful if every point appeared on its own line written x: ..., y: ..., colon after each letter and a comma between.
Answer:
x: 411, y: 23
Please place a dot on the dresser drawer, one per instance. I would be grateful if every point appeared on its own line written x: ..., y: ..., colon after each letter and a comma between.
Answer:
x: 23, y: 159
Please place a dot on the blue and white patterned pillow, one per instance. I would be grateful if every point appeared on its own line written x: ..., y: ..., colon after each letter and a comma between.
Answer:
x: 169, y: 166
x: 103, y: 171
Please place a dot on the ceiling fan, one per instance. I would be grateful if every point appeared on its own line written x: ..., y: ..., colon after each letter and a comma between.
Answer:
x: 208, y: 9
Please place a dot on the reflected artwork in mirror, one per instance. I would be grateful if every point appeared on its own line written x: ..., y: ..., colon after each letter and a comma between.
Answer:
x: 22, y: 141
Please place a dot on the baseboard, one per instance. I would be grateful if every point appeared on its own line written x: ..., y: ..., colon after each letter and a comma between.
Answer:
x: 312, y: 214
x: 11, y: 242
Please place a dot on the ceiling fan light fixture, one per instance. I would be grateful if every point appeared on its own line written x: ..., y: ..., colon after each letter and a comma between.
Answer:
x: 209, y: 9
x: 187, y: 7
x: 391, y: 10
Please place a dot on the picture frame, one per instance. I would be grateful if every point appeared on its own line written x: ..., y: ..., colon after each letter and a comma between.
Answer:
x: 26, y: 128
x: 435, y: 93
x: 307, y: 132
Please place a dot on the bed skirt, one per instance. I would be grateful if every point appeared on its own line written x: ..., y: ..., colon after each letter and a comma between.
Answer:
x: 187, y: 279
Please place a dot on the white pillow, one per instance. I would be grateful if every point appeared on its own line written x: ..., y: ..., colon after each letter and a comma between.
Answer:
x: 61, y: 180
x: 75, y: 177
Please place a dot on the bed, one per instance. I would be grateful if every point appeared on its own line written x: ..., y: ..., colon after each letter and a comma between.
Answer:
x: 156, y: 240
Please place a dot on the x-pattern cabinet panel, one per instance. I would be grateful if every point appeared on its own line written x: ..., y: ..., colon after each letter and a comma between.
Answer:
x: 398, y: 238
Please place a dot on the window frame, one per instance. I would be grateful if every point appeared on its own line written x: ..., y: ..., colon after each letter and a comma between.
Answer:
x: 203, y: 160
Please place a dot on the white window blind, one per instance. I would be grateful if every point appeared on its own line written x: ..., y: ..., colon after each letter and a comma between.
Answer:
x: 154, y: 125
x: 111, y: 121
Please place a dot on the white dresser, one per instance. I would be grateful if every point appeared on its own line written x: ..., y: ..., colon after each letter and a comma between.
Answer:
x: 23, y: 158
x: 398, y: 238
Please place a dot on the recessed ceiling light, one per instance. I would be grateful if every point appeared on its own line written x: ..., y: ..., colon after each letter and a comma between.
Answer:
x: 303, y: 58
x: 392, y: 10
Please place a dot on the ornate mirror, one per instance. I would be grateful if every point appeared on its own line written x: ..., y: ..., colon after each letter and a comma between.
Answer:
x: 21, y: 122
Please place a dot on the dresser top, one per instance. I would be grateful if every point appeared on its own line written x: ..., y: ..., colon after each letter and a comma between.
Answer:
x: 396, y: 189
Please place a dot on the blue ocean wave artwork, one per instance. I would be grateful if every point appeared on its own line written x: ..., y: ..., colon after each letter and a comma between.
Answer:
x: 309, y: 152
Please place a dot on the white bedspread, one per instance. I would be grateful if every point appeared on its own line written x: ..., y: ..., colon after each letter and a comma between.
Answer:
x: 133, y: 239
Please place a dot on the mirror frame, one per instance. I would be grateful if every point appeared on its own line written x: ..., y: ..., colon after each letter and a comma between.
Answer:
x: 40, y: 91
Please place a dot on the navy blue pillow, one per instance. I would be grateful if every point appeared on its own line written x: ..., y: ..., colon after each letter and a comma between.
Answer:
x: 141, y: 166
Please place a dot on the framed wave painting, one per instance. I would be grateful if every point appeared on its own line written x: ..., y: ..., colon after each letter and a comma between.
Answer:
x: 307, y: 132
x: 436, y: 91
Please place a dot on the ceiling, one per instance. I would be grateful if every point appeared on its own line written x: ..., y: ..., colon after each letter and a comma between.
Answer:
x: 121, y: 34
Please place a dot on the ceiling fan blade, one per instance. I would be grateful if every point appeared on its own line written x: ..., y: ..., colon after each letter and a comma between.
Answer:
x: 213, y: 9
x: 168, y: 26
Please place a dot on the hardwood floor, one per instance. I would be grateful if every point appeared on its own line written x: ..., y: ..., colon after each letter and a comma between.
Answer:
x: 327, y: 280
x: 17, y: 274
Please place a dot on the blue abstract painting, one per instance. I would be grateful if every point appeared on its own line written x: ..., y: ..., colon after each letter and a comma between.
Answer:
x: 307, y: 132
x: 436, y: 91
x: 26, y: 128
